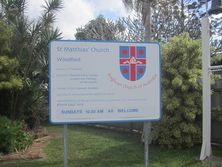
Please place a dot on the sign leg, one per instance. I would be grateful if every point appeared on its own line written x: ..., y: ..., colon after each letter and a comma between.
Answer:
x: 146, y: 131
x: 65, y: 145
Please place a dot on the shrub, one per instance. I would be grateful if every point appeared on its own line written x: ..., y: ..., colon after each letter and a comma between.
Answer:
x: 180, y: 124
x: 12, y: 136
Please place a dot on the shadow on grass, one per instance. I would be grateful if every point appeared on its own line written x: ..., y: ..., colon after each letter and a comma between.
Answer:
x: 93, y: 147
x: 118, y: 156
x: 127, y: 150
x: 106, y: 133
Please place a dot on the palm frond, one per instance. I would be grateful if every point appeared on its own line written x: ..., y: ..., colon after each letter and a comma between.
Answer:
x: 48, y: 16
x: 128, y: 4
x: 52, y: 5
x: 48, y: 19
x: 20, y: 5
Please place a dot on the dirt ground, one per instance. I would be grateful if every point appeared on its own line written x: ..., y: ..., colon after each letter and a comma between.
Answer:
x: 35, y: 151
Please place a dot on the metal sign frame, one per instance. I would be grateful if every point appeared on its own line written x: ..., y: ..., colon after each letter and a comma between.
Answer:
x: 150, y: 44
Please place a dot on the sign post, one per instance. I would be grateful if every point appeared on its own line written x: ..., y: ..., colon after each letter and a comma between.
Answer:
x: 147, y: 130
x: 65, y: 145
x: 206, y: 137
x: 94, y: 82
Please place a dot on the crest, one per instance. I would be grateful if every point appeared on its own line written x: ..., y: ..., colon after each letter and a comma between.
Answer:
x: 132, y: 62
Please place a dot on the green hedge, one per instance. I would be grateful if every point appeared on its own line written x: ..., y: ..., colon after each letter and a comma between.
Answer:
x: 12, y: 136
x: 182, y: 100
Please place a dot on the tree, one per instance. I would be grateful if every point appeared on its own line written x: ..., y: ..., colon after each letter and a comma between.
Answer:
x: 168, y: 18
x: 143, y: 7
x: 197, y: 8
x: 9, y: 81
x: 100, y: 29
x: 181, y: 67
x: 29, y: 47
x: 173, y: 18
x: 134, y: 28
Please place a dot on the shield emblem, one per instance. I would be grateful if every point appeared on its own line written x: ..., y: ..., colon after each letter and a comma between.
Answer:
x: 132, y: 62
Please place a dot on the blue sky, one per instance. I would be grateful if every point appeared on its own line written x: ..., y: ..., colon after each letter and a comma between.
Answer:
x: 77, y: 13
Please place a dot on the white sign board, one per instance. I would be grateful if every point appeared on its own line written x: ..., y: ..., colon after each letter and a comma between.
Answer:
x: 104, y: 81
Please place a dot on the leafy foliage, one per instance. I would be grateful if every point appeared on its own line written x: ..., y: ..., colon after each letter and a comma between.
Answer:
x: 134, y: 28
x: 5, y: 37
x: 217, y: 114
x: 12, y: 136
x: 7, y: 78
x: 198, y: 9
x: 10, y: 81
x: 28, y: 44
x: 181, y: 94
x: 100, y: 29
x: 168, y: 18
x: 172, y: 18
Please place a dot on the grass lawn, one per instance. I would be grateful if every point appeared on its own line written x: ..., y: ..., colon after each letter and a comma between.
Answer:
x: 93, y: 147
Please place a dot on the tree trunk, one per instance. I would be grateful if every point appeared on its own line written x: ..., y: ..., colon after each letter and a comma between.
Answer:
x: 146, y: 13
x: 182, y: 16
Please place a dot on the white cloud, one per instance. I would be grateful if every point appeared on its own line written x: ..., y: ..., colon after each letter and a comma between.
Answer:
x: 114, y: 6
x: 76, y: 13
x: 34, y: 8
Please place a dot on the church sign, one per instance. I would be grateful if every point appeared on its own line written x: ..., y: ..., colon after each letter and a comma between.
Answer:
x: 104, y: 81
